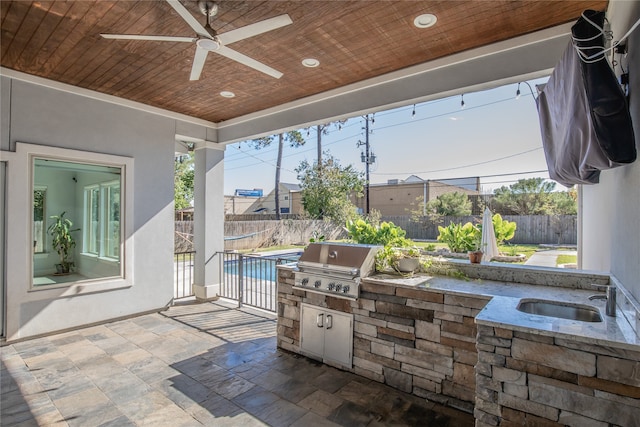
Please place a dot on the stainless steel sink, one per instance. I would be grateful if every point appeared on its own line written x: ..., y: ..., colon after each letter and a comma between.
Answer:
x: 563, y: 310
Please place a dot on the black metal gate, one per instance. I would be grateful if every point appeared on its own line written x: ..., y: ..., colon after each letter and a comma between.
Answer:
x: 251, y: 280
x: 183, y: 263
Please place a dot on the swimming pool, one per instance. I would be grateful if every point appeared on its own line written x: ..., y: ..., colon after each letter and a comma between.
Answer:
x: 258, y: 267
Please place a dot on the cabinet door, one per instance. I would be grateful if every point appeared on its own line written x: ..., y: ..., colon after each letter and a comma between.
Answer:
x: 338, y: 338
x: 312, y: 330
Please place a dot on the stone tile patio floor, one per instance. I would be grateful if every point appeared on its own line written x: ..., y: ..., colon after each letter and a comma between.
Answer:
x: 200, y: 364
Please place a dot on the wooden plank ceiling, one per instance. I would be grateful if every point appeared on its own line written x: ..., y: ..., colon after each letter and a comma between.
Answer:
x: 353, y: 40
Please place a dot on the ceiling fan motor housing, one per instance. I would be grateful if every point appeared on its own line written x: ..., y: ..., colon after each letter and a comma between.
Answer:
x: 208, y: 8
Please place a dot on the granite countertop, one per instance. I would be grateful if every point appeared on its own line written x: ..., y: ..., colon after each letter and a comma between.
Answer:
x: 504, y: 297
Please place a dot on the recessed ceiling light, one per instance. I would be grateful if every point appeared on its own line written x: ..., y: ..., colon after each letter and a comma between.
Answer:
x: 425, y: 20
x: 227, y: 94
x: 310, y: 62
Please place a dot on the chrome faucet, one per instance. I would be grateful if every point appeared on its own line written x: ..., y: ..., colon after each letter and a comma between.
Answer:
x: 610, y: 296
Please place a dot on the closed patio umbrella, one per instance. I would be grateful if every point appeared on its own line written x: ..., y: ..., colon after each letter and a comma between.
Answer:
x: 488, y: 243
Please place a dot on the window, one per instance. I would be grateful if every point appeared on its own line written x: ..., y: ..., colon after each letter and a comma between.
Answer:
x: 112, y: 246
x: 76, y: 221
x: 92, y: 220
x: 102, y: 219
x: 39, y: 212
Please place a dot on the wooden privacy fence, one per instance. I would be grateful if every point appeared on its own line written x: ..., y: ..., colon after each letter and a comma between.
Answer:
x: 257, y: 234
x: 537, y: 229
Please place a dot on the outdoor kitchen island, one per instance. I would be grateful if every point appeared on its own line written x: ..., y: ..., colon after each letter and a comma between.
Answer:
x: 461, y: 342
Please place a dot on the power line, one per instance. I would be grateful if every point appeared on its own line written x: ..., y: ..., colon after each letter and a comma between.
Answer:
x: 413, y: 120
x: 460, y: 167
x: 497, y: 175
x: 260, y: 161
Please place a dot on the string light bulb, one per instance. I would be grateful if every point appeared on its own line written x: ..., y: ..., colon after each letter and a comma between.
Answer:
x: 413, y: 113
x: 518, y: 92
x: 462, y: 101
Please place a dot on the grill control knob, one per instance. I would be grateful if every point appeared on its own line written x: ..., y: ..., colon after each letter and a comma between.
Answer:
x: 317, y: 284
x: 338, y: 287
x: 305, y: 281
x: 331, y: 286
x: 345, y: 289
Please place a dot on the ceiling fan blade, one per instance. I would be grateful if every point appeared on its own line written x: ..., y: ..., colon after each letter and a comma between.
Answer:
x: 189, y: 18
x: 255, y: 29
x: 249, y: 62
x: 198, y: 63
x: 153, y: 38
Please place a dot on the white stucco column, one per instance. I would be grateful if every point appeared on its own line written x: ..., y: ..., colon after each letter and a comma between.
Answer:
x: 208, y: 221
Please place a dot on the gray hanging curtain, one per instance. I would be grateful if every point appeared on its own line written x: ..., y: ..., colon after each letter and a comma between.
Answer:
x: 584, y: 118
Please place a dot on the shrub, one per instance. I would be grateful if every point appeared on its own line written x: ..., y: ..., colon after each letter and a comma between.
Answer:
x: 385, y: 234
x: 460, y: 238
x: 504, y: 230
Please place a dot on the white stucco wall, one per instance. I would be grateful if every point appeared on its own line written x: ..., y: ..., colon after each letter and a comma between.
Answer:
x: 611, y: 209
x: 46, y: 116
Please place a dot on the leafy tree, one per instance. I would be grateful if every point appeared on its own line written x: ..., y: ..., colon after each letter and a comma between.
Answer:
x: 535, y: 196
x: 450, y: 204
x: 326, y: 189
x: 183, y: 181
x: 294, y: 139
x: 564, y: 202
x: 531, y: 196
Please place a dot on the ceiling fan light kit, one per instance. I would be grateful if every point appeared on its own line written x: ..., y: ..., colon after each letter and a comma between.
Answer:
x: 207, y: 40
x: 209, y: 44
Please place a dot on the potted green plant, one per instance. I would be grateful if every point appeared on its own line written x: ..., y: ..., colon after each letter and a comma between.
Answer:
x: 407, y: 260
x: 401, y: 260
x: 63, y: 242
x: 475, y: 255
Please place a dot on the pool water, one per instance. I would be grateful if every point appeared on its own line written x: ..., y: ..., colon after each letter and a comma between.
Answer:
x: 263, y: 268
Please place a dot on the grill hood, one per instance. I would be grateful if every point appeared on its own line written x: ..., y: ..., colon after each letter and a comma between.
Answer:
x: 340, y: 257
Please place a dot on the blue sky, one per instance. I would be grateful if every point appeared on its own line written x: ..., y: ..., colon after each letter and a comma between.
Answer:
x: 494, y: 135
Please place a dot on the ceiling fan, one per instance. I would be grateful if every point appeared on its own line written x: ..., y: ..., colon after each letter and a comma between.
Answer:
x: 207, y: 40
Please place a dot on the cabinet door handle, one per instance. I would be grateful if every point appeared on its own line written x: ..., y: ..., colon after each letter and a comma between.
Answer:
x: 329, y: 321
x: 319, y: 320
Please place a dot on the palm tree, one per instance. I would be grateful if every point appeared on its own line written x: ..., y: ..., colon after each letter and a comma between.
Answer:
x: 324, y: 130
x: 294, y: 139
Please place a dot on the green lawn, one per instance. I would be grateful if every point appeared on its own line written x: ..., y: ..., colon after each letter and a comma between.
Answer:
x: 528, y: 250
x: 506, y: 249
x: 566, y: 259
x: 272, y: 248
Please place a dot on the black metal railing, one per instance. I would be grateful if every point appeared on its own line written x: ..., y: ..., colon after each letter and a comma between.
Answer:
x: 183, y: 263
x: 251, y: 280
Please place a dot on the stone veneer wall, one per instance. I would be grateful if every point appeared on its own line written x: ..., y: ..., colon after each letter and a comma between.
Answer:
x: 524, y: 379
x: 416, y: 340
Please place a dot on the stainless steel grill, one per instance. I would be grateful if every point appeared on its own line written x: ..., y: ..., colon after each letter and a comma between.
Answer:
x: 335, y: 268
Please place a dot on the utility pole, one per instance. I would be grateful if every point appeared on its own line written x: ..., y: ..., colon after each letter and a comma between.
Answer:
x: 367, y: 158
x: 319, y: 130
